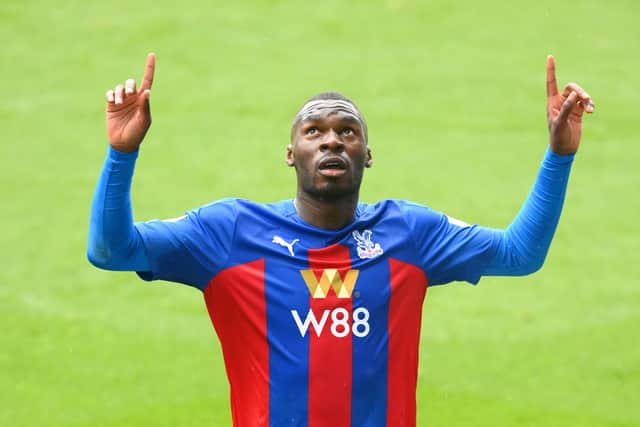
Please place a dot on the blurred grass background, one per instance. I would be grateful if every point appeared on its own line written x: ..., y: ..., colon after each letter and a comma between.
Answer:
x: 454, y: 96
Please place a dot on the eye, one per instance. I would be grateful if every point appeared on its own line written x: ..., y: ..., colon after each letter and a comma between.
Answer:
x: 311, y: 131
x: 347, y: 131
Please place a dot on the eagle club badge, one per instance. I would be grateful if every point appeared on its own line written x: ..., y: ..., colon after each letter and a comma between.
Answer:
x: 366, y: 248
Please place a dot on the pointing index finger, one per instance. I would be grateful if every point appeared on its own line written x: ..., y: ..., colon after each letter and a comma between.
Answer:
x: 552, y: 84
x: 147, y: 79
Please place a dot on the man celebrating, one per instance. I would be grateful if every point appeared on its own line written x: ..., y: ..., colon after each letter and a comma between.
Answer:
x: 317, y: 301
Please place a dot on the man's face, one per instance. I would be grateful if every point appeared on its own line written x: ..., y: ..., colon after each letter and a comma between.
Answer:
x: 329, y: 153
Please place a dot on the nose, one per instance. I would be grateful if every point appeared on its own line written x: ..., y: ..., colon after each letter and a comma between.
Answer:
x: 332, y: 141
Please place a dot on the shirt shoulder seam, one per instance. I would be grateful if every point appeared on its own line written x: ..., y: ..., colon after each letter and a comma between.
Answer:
x: 223, y: 265
x: 413, y: 240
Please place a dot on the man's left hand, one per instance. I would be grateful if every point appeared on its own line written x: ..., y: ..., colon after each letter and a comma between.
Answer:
x: 564, y: 112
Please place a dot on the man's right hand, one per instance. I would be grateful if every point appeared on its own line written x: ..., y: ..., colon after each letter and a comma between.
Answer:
x: 128, y: 111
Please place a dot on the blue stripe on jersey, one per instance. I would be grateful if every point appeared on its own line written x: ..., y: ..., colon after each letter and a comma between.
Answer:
x: 288, y: 350
x: 370, y: 354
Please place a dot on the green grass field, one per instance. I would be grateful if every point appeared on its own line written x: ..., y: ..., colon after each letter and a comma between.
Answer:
x: 454, y: 96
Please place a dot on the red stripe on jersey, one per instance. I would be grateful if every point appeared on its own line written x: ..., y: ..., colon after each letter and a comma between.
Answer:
x: 408, y: 285
x: 329, y: 355
x: 236, y: 302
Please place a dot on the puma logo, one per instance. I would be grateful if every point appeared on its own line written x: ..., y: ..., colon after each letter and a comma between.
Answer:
x: 280, y: 241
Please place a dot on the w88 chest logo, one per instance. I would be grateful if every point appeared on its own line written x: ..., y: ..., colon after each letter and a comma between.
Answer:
x: 341, y: 322
x: 340, y: 326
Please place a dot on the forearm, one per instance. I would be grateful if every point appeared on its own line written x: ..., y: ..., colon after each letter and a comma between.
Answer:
x: 114, y: 243
x: 523, y: 246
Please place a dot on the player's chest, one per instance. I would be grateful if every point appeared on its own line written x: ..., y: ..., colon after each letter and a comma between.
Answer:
x: 305, y: 286
x: 316, y: 280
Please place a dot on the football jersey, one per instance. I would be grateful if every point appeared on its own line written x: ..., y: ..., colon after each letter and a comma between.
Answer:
x: 317, y: 327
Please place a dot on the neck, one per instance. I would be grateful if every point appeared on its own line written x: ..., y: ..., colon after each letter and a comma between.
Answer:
x: 330, y: 214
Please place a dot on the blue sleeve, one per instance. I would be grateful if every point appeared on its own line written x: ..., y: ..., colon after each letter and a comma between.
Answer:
x: 190, y: 249
x: 113, y: 242
x: 450, y: 250
x: 523, y: 246
x: 447, y: 249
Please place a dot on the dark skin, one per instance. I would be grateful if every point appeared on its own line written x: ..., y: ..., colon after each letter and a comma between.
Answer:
x: 128, y: 111
x: 329, y: 151
x: 564, y: 112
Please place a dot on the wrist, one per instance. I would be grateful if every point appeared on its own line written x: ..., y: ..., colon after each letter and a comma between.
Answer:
x: 558, y: 158
x: 124, y: 149
x: 561, y: 148
x: 117, y: 154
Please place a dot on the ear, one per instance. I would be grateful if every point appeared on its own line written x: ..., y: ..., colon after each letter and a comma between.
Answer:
x: 369, y: 161
x: 289, y: 157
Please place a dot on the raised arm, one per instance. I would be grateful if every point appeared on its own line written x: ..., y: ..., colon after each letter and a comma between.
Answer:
x: 114, y: 243
x: 523, y: 246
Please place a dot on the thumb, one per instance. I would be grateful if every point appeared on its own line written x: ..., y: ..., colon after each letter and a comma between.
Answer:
x: 567, y: 106
x: 144, y: 100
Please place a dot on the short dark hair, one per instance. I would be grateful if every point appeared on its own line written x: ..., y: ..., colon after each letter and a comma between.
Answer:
x: 330, y: 95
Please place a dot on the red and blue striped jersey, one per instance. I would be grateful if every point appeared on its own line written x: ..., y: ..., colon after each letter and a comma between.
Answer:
x: 317, y: 327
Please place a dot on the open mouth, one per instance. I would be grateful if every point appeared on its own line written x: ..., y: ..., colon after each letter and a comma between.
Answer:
x: 333, y: 164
